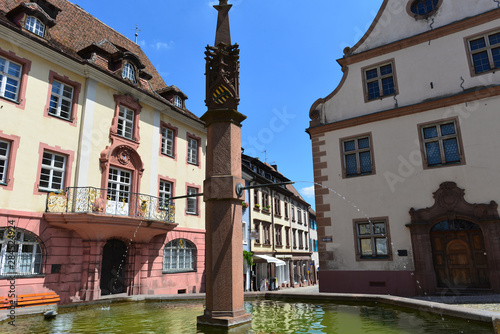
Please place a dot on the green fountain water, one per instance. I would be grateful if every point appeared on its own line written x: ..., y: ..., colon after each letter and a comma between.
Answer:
x: 268, y: 317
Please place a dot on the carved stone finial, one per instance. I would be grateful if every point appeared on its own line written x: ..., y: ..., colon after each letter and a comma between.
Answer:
x: 222, y: 67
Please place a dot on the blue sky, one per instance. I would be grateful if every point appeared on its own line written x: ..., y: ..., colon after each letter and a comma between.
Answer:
x: 288, y: 52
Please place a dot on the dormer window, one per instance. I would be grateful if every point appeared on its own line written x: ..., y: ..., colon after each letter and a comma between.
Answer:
x: 178, y: 101
x: 35, y: 26
x: 129, y: 73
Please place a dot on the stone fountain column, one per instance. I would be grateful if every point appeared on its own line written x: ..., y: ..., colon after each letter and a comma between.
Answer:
x: 224, y: 243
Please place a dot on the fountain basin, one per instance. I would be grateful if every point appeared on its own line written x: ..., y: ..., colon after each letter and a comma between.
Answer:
x: 271, y: 312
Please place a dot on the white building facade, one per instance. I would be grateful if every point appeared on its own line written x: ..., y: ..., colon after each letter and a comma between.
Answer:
x: 407, y: 142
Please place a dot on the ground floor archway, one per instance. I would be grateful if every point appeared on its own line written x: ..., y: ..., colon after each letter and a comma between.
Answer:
x: 114, y: 256
x: 454, y: 243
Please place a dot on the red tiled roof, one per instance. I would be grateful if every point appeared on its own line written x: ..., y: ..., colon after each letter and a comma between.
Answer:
x: 75, y: 30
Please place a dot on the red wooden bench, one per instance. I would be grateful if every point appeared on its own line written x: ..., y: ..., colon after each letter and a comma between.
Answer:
x: 35, y: 299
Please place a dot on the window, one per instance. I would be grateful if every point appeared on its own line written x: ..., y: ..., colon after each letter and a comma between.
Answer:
x: 10, y: 78
x: 4, y: 160
x: 306, y: 238
x: 424, y: 7
x: 265, y: 201
x: 125, y: 122
x: 35, y: 26
x: 61, y: 100
x: 256, y: 197
x: 294, y: 238
x: 278, y: 235
x: 299, y: 216
x: 357, y: 156
x: 179, y: 255
x: 245, y: 232
x: 484, y: 52
x: 192, y: 151
x: 192, y: 202
x: 441, y: 144
x: 167, y: 141
x: 372, y: 239
x: 177, y: 101
x: 379, y: 81
x: 20, y: 253
x: 286, y: 210
x: 119, y: 183
x: 257, y: 229
x: 287, y: 236
x: 52, y: 172
x: 267, y: 235
x: 301, y: 240
x: 293, y: 213
x: 165, y: 193
x: 277, y: 206
x: 129, y: 73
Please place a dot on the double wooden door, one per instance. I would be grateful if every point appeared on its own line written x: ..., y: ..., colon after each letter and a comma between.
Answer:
x: 460, y: 259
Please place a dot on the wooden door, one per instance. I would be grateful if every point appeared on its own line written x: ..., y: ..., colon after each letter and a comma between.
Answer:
x: 460, y: 259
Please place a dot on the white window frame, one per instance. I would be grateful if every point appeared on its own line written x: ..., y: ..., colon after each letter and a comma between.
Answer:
x: 12, y: 258
x: 129, y: 72
x: 4, y: 160
x: 52, y: 170
x: 167, y: 141
x: 35, y: 26
x: 192, y: 151
x: 10, y: 76
x: 178, y: 101
x: 192, y: 202
x: 181, y: 256
x: 125, y: 127
x: 61, y: 97
x: 165, y: 193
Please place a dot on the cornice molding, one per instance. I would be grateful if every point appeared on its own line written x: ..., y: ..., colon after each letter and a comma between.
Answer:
x: 476, y: 94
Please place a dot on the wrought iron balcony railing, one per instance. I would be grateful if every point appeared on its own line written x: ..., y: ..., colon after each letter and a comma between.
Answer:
x: 111, y: 202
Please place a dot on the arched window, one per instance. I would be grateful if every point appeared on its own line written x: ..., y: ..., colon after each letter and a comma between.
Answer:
x: 179, y: 255
x: 424, y: 7
x: 129, y: 72
x: 20, y: 252
x: 35, y: 26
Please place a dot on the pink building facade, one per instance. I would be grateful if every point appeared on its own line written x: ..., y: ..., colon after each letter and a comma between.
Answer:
x: 94, y: 146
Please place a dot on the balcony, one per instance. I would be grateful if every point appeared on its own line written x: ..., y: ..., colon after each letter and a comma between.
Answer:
x: 111, y: 202
x: 100, y: 214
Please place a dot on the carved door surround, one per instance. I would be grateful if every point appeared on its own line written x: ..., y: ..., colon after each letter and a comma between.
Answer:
x: 450, y: 205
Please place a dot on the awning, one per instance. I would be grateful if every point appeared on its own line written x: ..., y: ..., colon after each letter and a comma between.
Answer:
x: 270, y: 259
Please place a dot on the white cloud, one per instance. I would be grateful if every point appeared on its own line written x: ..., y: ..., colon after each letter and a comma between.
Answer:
x: 162, y: 45
x: 307, y: 192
